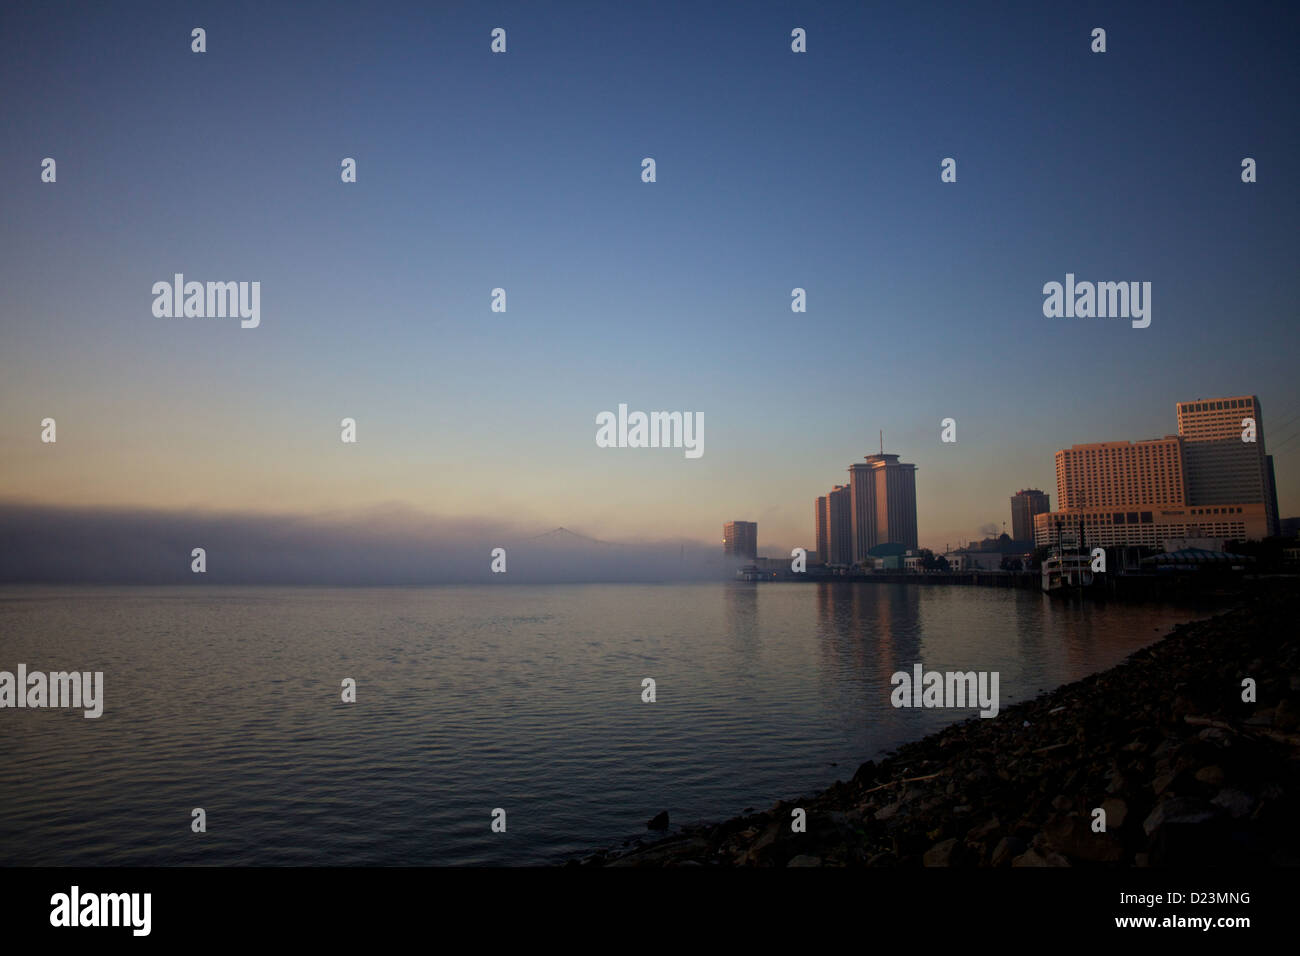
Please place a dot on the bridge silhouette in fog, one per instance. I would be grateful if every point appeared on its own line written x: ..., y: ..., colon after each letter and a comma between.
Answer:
x: 564, y: 534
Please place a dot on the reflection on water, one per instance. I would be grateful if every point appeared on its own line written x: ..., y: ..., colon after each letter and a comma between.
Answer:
x: 470, y: 698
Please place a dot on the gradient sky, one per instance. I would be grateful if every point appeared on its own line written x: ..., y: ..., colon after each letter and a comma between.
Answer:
x: 522, y: 170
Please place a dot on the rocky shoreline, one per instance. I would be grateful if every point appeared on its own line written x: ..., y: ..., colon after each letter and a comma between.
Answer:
x: 1186, y: 771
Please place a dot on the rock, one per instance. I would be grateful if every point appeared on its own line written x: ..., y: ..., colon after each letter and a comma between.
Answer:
x: 1116, y: 813
x: 766, y: 849
x: 1286, y: 716
x: 1237, y: 803
x: 940, y: 854
x: 664, y: 853
x: 1178, y: 811
x: 1008, y: 848
x: 803, y: 859
x: 1072, y: 836
x: 1213, y: 775
x: 1216, y: 735
x: 1260, y: 718
x: 659, y: 821
x: 1166, y: 747
x: 866, y: 774
x: 984, y: 830
x: 1037, y: 858
x: 885, y: 813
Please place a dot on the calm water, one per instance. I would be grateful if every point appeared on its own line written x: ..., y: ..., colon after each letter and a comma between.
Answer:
x: 471, y: 698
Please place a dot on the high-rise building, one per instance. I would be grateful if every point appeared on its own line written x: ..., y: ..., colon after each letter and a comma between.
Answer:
x: 1120, y: 473
x: 1221, y: 466
x: 740, y: 539
x: 1204, y: 482
x: 821, y: 522
x: 839, y: 526
x: 1026, y: 503
x: 883, y: 496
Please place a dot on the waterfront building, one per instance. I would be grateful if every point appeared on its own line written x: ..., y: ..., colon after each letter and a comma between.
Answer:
x: 821, y: 524
x: 1026, y: 503
x: 740, y: 539
x: 1220, y: 465
x: 883, y: 504
x: 1204, y: 482
x: 839, y: 526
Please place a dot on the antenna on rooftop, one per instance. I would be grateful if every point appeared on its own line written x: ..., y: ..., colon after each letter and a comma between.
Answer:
x: 882, y: 441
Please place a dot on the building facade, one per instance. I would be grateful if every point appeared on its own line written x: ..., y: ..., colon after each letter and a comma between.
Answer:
x: 1150, y: 527
x: 740, y: 539
x: 1121, y: 473
x: 1221, y: 464
x: 1204, y: 482
x: 883, y: 504
x: 1025, y: 504
x: 821, y: 526
x: 839, y: 526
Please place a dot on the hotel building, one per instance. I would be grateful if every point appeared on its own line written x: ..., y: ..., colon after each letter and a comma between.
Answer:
x: 1196, y: 484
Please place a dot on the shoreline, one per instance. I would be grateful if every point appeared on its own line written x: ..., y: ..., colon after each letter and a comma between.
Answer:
x: 1186, y: 771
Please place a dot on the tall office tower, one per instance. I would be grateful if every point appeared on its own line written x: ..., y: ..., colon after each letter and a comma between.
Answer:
x: 740, y: 539
x: 1221, y: 467
x: 1121, y: 473
x: 839, y: 525
x: 821, y: 518
x: 862, y: 493
x: 883, y: 493
x: 1024, y: 505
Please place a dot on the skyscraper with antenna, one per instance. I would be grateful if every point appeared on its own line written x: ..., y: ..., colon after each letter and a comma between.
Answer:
x: 883, y: 503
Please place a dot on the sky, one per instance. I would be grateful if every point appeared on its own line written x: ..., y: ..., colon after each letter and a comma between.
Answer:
x: 522, y: 170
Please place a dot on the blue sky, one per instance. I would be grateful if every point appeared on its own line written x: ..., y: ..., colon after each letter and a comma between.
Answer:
x: 522, y: 170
